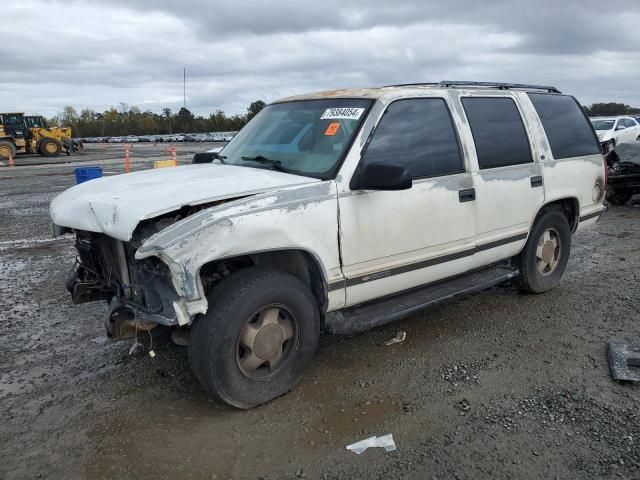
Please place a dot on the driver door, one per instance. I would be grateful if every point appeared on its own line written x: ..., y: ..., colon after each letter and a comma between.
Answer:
x: 396, y: 240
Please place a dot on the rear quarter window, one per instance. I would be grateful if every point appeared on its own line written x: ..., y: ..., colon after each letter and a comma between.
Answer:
x: 566, y: 126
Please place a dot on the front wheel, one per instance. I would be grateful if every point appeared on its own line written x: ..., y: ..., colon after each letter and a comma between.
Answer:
x: 50, y: 147
x: 260, y: 332
x: 546, y: 253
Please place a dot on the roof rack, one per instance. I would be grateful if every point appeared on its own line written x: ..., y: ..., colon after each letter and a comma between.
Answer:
x: 498, y: 85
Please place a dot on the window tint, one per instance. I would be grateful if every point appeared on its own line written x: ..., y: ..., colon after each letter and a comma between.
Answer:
x: 418, y: 134
x: 566, y: 126
x: 627, y: 122
x: 498, y: 131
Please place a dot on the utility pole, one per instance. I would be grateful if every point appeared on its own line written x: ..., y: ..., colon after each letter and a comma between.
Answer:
x: 184, y: 87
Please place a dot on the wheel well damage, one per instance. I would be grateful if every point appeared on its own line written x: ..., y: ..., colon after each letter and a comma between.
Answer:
x: 569, y: 206
x: 299, y: 263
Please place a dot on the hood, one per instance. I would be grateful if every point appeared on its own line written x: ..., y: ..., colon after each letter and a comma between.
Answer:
x: 628, y: 153
x: 604, y: 134
x: 115, y: 205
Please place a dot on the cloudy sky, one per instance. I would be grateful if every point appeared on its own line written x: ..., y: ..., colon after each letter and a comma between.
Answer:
x: 97, y: 53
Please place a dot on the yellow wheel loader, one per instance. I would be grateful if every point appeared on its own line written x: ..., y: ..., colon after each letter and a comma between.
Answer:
x: 30, y: 134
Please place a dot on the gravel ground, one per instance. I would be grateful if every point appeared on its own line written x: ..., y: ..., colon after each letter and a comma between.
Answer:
x: 495, y: 385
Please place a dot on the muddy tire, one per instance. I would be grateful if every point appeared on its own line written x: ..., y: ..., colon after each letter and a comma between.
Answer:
x: 50, y: 147
x: 546, y: 253
x: 619, y: 198
x: 7, y: 149
x: 259, y: 334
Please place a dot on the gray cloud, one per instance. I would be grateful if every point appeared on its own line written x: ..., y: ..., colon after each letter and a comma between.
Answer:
x: 97, y: 54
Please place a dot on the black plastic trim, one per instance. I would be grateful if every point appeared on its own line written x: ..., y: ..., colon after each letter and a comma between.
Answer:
x: 467, y: 195
x: 350, y: 282
x: 591, y: 215
x: 536, y: 181
x: 335, y: 286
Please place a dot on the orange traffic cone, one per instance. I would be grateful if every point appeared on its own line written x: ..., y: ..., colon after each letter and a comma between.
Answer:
x: 127, y: 162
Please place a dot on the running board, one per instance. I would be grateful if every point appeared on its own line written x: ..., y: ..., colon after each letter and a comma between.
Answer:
x: 371, y: 314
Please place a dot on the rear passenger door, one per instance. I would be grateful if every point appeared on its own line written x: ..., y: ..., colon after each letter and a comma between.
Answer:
x: 508, y: 182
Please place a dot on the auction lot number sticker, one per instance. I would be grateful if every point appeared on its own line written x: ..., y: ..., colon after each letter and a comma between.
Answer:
x: 342, y: 114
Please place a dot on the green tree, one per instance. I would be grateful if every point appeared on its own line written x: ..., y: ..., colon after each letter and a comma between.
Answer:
x: 254, y: 109
x: 611, y: 108
x: 184, y: 120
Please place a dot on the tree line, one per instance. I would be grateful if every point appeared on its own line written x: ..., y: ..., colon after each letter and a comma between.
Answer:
x: 128, y: 120
x: 132, y: 121
x: 609, y: 109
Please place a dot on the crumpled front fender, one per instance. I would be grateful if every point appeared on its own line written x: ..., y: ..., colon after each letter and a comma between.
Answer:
x: 301, y: 217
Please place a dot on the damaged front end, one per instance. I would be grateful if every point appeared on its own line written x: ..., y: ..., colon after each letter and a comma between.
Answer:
x: 140, y: 293
x: 623, y: 172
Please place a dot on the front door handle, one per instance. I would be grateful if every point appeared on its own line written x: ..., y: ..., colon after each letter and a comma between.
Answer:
x: 536, y: 181
x: 467, y: 195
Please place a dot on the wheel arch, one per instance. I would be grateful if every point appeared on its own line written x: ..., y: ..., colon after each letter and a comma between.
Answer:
x: 570, y: 206
x: 298, y: 262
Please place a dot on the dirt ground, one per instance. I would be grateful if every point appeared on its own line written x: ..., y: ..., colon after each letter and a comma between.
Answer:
x: 495, y: 385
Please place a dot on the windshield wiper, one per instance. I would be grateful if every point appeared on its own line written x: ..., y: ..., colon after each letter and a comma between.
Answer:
x: 275, y: 164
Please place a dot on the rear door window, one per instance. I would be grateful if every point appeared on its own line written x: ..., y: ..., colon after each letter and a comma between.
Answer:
x: 418, y: 134
x: 627, y: 122
x: 566, y: 126
x: 498, y: 131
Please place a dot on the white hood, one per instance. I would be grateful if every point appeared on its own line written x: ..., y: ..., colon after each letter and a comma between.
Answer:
x: 115, y: 205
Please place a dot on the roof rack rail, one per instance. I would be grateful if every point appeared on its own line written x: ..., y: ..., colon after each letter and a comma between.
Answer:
x: 498, y: 85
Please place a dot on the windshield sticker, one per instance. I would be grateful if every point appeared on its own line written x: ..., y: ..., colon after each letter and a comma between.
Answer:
x: 332, y: 129
x: 342, y: 113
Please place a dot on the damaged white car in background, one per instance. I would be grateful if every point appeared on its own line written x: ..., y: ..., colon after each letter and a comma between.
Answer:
x: 613, y: 131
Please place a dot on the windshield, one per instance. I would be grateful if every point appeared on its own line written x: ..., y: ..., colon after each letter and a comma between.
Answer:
x: 602, y: 124
x: 305, y: 137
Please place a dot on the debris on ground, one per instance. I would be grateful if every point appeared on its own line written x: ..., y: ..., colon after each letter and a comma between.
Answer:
x: 624, y: 360
x: 386, y: 442
x: 400, y: 336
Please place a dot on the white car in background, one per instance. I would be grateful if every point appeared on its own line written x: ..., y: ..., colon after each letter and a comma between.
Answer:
x: 612, y: 131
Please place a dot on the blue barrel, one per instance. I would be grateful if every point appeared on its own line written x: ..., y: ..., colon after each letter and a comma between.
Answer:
x: 87, y: 173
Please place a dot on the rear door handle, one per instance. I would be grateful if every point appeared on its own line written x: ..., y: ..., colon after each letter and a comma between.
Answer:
x: 467, y: 195
x: 536, y: 181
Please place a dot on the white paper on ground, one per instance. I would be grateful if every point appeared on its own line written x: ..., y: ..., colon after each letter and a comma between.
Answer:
x: 386, y: 442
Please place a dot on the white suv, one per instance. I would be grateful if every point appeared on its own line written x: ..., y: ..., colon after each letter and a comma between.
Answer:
x: 612, y: 131
x: 336, y: 211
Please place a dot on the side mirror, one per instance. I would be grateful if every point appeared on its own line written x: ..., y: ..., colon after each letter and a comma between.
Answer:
x: 203, y: 157
x: 382, y: 176
x: 620, y: 127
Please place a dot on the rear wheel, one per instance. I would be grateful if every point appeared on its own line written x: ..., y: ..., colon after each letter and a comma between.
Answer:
x: 546, y: 253
x: 7, y: 149
x: 50, y: 147
x: 257, y: 337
